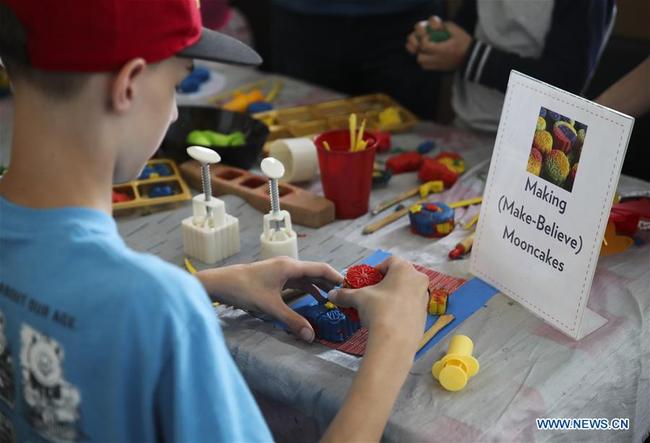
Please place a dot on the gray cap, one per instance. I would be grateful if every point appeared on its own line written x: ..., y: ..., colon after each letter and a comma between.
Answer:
x: 217, y: 47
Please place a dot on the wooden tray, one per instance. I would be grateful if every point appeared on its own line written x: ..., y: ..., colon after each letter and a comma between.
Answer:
x: 139, y: 189
x: 313, y: 119
x: 306, y: 208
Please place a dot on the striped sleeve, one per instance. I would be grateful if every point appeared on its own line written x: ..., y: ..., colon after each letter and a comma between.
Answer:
x: 578, y: 32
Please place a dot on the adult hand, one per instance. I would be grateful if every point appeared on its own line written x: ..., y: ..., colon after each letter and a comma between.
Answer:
x: 258, y: 286
x: 396, y: 307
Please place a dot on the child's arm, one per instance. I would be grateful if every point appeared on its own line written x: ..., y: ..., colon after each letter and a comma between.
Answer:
x: 394, y: 312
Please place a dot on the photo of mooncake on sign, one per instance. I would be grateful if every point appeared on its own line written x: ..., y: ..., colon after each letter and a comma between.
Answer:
x: 556, y: 148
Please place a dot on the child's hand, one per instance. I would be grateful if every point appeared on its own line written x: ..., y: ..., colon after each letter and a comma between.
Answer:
x: 257, y: 287
x: 396, y: 307
x: 448, y: 55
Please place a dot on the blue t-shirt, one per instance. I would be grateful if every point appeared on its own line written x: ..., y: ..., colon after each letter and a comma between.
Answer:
x: 101, y: 343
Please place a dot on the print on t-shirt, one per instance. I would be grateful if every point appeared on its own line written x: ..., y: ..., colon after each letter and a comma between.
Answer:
x: 7, y: 384
x: 6, y: 430
x: 52, y: 404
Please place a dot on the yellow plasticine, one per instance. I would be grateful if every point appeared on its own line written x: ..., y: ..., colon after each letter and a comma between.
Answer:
x: 455, y: 164
x: 189, y: 266
x: 444, y: 228
x: 360, y: 144
x: 432, y: 186
x: 352, y: 123
x: 438, y: 302
x: 390, y: 116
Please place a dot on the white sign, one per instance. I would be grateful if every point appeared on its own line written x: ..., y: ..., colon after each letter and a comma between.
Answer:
x: 552, y: 179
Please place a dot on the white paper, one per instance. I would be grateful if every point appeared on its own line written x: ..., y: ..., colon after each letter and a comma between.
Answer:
x: 539, y: 241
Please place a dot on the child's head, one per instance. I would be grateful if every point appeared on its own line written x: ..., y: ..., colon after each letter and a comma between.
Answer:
x: 114, y: 62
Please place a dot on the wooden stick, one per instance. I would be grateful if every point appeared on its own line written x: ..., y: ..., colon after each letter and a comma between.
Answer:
x: 369, y: 229
x: 275, y: 90
x: 468, y: 202
x: 327, y: 146
x: 442, y: 321
x: 393, y: 201
x: 472, y: 222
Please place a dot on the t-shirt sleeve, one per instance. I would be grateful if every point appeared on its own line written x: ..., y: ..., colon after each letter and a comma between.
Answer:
x: 201, y: 395
x: 571, y: 49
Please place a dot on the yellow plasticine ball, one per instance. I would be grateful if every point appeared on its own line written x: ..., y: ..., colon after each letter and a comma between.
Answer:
x: 541, y: 124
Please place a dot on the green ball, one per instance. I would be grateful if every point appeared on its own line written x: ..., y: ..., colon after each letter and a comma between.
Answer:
x: 437, y: 35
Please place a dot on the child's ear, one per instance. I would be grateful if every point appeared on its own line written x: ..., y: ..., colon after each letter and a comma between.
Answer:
x: 125, y: 83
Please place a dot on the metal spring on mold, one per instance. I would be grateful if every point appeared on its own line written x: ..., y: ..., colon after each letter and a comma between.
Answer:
x: 205, y: 181
x: 274, y: 195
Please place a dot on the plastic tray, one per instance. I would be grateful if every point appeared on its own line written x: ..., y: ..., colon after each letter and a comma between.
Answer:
x: 140, y: 189
x: 313, y: 119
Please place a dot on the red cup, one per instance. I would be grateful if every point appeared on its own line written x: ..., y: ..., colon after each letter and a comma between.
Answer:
x: 346, y: 176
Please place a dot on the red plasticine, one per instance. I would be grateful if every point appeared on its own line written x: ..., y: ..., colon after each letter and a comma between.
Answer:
x: 432, y: 170
x: 405, y: 162
x: 357, y: 277
x: 360, y: 276
x: 383, y: 141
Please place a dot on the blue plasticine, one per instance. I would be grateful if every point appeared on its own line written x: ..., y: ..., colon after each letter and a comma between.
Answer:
x: 162, y: 169
x: 146, y: 172
x: 189, y: 84
x: 160, y: 191
x: 329, y: 324
x: 426, y: 147
x: 260, y: 106
x: 201, y: 74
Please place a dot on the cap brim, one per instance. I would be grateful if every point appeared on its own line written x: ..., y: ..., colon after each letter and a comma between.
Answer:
x: 217, y: 47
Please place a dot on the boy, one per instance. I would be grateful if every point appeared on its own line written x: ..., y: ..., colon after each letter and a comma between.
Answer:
x: 102, y: 343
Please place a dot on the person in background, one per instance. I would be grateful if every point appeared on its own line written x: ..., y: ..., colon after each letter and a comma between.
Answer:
x: 218, y: 15
x: 354, y: 47
x: 630, y: 94
x: 555, y: 41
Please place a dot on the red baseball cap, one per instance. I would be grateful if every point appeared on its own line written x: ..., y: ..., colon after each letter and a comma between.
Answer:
x: 101, y: 35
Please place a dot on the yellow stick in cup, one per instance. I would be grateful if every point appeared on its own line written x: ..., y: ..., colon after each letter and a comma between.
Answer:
x: 353, y: 126
x: 359, y: 145
x: 327, y: 146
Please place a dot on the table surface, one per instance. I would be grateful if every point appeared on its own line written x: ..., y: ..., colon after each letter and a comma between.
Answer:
x: 528, y: 369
